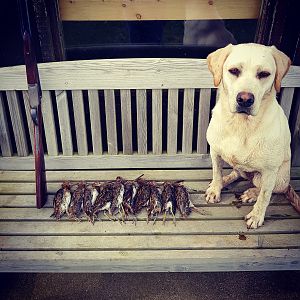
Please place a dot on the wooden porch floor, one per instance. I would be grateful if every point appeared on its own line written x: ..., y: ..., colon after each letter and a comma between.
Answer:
x: 219, y: 241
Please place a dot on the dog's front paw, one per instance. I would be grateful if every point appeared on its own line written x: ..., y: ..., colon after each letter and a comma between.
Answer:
x: 213, y: 193
x: 255, y: 218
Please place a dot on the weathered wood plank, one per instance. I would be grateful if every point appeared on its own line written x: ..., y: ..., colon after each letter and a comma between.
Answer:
x: 141, y: 107
x: 150, y: 261
x: 93, y: 162
x: 49, y: 124
x: 110, y: 162
x: 5, y: 138
x: 139, y: 73
x: 84, y: 10
x: 188, y: 117
x: 126, y: 121
x: 194, y: 186
x: 212, y: 213
x: 111, y: 125
x: 64, y: 122
x: 80, y: 127
x: 28, y: 117
x: 172, y: 121
x: 203, y: 119
x: 95, y: 118
x: 17, y: 123
x: 157, y: 121
x: 105, y: 228
x: 156, y: 242
x: 196, y: 198
x: 287, y: 100
x: 161, y: 175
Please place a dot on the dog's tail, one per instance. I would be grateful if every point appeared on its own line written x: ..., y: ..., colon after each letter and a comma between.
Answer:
x: 293, y: 197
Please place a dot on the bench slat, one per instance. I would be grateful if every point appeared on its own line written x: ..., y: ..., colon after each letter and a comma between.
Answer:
x: 188, y: 116
x: 64, y: 122
x: 150, y: 261
x: 17, y: 123
x: 141, y: 106
x: 49, y: 124
x: 126, y: 121
x: 95, y: 121
x: 140, y: 73
x: 149, y: 242
x: 52, y: 187
x: 203, y: 119
x: 106, y: 228
x: 5, y: 140
x: 172, y: 121
x: 197, y: 199
x: 80, y: 127
x: 61, y: 175
x: 157, y: 121
x: 211, y: 213
x: 111, y: 126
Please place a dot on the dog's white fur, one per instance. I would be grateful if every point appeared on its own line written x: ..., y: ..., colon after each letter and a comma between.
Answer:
x: 256, y: 145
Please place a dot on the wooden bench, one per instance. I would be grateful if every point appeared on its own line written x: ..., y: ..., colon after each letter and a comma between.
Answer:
x: 126, y: 117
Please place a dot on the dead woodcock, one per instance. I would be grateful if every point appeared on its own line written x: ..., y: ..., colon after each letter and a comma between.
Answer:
x: 169, y: 201
x: 88, y: 206
x: 155, y: 205
x: 142, y: 197
x: 61, y: 200
x: 183, y: 201
x: 75, y: 207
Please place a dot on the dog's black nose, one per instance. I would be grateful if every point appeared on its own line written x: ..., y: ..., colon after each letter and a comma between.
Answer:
x: 245, y: 99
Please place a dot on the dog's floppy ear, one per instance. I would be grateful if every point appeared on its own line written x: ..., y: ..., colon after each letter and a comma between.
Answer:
x: 215, y: 62
x: 283, y: 63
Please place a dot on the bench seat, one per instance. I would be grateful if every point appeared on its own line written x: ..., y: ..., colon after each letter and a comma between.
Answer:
x: 219, y: 241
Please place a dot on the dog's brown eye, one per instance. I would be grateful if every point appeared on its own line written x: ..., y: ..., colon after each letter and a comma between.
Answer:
x: 234, y: 71
x: 263, y: 74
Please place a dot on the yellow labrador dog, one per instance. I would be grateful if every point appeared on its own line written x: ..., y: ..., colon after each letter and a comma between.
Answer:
x: 248, y: 129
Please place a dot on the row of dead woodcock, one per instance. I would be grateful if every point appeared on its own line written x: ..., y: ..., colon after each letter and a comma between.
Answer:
x: 123, y: 197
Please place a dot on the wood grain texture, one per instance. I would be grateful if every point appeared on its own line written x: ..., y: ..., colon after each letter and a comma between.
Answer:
x: 95, y: 118
x: 173, y: 242
x: 80, y: 127
x: 5, y: 137
x: 203, y: 119
x: 111, y: 123
x: 198, y: 199
x: 138, y: 73
x: 49, y: 124
x: 157, y: 121
x: 188, y: 117
x: 88, y: 10
x: 64, y: 122
x: 212, y: 213
x: 141, y: 107
x: 150, y: 261
x: 172, y: 121
x: 105, y: 228
x: 61, y: 175
x: 126, y: 121
x: 17, y: 123
x: 28, y: 117
x: 286, y: 100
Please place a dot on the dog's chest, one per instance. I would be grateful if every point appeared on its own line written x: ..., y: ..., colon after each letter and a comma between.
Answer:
x: 239, y: 152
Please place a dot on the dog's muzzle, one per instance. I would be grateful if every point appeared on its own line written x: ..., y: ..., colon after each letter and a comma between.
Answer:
x: 244, y: 102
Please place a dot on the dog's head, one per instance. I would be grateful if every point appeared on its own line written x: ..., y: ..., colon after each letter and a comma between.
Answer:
x: 248, y: 72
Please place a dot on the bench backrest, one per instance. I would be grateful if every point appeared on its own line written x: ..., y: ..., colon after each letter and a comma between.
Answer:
x: 121, y: 113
